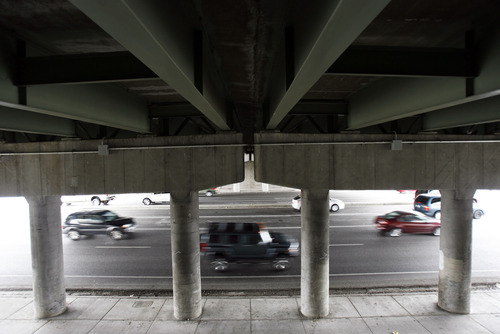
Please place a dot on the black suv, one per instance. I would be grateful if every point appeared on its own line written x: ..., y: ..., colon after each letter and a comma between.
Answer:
x: 226, y: 243
x: 97, y: 222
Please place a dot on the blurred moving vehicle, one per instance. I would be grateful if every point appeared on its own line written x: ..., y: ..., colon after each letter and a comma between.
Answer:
x: 226, y: 243
x: 428, y: 192
x: 334, y: 205
x: 155, y: 198
x: 209, y: 192
x: 97, y: 222
x: 430, y: 205
x: 164, y: 197
x: 397, y: 222
x: 94, y: 199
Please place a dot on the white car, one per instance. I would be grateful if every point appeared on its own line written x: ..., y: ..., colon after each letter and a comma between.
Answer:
x: 209, y: 192
x: 94, y: 199
x: 155, y: 198
x: 334, y: 206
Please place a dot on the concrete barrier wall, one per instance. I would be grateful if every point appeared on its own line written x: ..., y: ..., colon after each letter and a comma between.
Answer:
x: 344, y: 162
x: 133, y: 165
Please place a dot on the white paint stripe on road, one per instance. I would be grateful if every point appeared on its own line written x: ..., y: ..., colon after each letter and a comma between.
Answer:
x: 257, y: 216
x: 271, y: 228
x: 153, y: 229
x: 247, y: 216
x: 290, y: 215
x: 345, y: 245
x: 298, y: 227
x: 387, y: 273
x: 273, y: 276
x: 124, y: 247
x: 120, y: 277
x: 355, y: 226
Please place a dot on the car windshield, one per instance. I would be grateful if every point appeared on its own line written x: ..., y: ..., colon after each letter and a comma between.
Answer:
x: 392, y: 215
x: 109, y: 216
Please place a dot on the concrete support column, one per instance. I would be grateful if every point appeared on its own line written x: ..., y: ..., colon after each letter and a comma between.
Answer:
x: 47, y: 256
x: 315, y: 250
x: 186, y: 254
x: 455, y: 250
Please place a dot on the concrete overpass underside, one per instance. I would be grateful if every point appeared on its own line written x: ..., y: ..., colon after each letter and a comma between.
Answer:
x: 42, y: 172
x: 143, y: 96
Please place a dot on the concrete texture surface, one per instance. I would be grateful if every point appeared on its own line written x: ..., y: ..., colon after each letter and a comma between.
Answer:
x: 372, y: 314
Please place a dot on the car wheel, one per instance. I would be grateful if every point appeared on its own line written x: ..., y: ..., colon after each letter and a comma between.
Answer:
x: 220, y: 265
x: 334, y: 208
x: 209, y: 193
x: 281, y: 264
x: 96, y: 201
x: 478, y: 214
x: 74, y: 235
x: 395, y: 232
x: 146, y: 201
x: 437, y: 231
x: 116, y: 234
x: 437, y: 215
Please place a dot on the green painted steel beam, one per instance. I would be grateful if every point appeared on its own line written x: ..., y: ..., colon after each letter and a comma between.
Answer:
x: 478, y: 109
x: 103, y: 104
x: 442, y: 100
x: 319, y: 108
x: 323, y: 45
x: 394, y: 98
x: 20, y: 118
x: 85, y: 68
x: 155, y: 33
x: 402, y: 61
x: 174, y: 110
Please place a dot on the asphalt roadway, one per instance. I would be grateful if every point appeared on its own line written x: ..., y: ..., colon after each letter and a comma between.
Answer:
x: 359, y: 256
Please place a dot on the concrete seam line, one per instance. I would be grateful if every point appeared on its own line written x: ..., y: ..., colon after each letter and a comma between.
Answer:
x: 122, y: 149
x: 385, y: 142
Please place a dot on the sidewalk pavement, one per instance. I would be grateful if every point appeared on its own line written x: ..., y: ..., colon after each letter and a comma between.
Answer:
x: 383, y: 313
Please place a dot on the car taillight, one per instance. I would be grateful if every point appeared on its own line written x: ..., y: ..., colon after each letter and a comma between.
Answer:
x: 203, y: 246
x: 426, y: 208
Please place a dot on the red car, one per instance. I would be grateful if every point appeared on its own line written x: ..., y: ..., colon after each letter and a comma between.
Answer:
x: 397, y: 222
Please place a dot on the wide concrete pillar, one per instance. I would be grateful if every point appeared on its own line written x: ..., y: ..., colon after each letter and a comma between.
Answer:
x: 315, y: 250
x: 455, y: 250
x: 186, y: 254
x: 47, y: 256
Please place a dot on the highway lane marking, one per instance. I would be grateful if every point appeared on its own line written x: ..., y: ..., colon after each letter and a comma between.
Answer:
x: 257, y: 216
x: 268, y: 276
x: 271, y: 228
x: 123, y: 247
x: 345, y: 245
x: 246, y: 216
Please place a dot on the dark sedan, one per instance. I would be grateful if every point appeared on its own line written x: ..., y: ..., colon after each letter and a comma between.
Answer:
x: 397, y: 222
